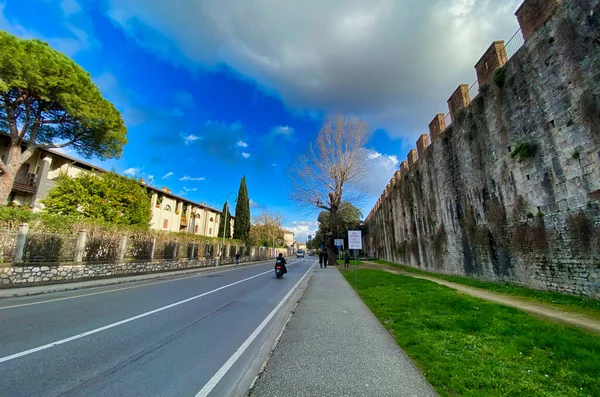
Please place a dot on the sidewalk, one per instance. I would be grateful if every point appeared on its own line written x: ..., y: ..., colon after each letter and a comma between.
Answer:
x: 579, y: 320
x: 14, y: 292
x: 334, y: 346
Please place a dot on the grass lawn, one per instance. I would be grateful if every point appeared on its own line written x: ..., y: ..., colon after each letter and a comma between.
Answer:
x: 352, y: 262
x: 562, y: 301
x: 469, y: 347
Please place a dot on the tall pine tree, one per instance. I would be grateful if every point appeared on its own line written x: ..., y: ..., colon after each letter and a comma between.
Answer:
x: 223, y: 222
x: 241, y: 230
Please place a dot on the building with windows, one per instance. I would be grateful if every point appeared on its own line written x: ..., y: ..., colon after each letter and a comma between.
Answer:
x: 170, y: 212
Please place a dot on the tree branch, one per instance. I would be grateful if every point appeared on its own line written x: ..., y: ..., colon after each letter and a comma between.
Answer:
x: 3, y: 167
x: 27, y: 122
x: 60, y: 145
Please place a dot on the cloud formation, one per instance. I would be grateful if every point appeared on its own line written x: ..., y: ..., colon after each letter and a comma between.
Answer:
x: 221, y: 140
x: 302, y: 229
x: 133, y: 171
x: 190, y: 138
x: 168, y: 175
x: 394, y: 62
x: 383, y: 168
x: 241, y: 144
x: 245, y: 155
x: 189, y: 178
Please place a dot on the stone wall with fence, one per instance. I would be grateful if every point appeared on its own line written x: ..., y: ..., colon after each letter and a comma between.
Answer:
x: 35, y: 258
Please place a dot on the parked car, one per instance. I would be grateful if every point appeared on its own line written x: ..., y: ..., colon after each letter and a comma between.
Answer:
x: 300, y: 254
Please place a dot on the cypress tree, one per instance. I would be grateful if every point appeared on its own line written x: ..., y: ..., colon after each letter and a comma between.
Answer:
x: 222, y: 229
x: 241, y: 229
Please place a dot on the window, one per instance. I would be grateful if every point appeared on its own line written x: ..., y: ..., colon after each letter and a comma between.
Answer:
x: 166, y: 224
x: 196, y: 229
x: 211, y: 219
x: 167, y: 207
x: 210, y: 231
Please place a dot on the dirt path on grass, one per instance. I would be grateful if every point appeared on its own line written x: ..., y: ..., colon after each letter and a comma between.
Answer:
x: 576, y: 319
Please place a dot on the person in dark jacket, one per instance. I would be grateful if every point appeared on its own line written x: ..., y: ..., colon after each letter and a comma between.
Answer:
x: 347, y: 260
x: 321, y: 259
x: 281, y: 262
x: 325, y: 257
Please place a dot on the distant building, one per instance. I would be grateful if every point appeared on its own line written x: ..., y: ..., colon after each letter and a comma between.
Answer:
x: 170, y: 212
x: 288, y: 238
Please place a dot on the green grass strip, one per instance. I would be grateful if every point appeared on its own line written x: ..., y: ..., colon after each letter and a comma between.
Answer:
x: 352, y: 262
x: 469, y: 347
x: 568, y: 302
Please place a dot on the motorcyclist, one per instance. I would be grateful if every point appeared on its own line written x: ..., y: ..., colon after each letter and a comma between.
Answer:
x: 281, y: 262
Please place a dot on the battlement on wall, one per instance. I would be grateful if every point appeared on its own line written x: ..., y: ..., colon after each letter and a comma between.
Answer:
x: 531, y: 15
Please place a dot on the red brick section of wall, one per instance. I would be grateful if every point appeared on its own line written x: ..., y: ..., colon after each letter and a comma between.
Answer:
x: 459, y: 99
x: 437, y: 126
x: 412, y: 157
x: 404, y: 167
x: 422, y: 144
x: 494, y: 58
x: 534, y: 13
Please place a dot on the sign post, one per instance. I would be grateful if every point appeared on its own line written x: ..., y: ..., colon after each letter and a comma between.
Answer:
x: 339, y: 243
x: 355, y: 243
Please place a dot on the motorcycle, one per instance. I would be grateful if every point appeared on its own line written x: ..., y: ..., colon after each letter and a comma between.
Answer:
x: 278, y: 271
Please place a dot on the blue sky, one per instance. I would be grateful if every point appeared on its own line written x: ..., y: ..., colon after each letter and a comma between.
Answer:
x: 212, y: 91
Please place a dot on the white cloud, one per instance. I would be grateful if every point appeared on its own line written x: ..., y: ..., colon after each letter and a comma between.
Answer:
x: 189, y: 178
x: 394, y: 62
x: 150, y: 180
x: 189, y: 190
x: 131, y: 171
x: 190, y: 138
x: 245, y: 155
x: 285, y: 131
x: 241, y: 144
x: 302, y: 229
x: 383, y: 168
x: 168, y: 175
x: 254, y: 204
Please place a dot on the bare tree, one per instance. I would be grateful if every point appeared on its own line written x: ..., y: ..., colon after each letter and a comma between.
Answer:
x: 266, y: 229
x: 332, y: 169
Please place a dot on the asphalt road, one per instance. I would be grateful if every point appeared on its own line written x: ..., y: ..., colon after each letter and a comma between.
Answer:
x: 185, y: 336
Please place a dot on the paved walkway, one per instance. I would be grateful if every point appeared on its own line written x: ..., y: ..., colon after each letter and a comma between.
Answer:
x: 334, y: 346
x: 576, y: 319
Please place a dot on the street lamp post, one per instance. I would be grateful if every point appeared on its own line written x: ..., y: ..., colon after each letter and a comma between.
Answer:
x: 225, y: 224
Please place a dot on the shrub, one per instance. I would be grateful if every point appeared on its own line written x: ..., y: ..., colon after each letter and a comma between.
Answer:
x: 524, y: 150
x: 499, y: 77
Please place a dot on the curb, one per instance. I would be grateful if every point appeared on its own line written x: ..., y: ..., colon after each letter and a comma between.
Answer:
x: 63, y: 287
x: 263, y: 367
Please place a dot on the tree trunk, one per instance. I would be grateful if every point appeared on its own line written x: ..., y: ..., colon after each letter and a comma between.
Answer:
x: 14, y: 161
x: 330, y: 243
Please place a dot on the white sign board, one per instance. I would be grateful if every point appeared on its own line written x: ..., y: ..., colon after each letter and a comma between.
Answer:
x: 354, y: 240
x: 339, y: 242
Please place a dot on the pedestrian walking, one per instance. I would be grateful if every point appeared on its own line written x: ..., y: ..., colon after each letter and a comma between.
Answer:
x: 325, y: 257
x: 347, y: 260
x: 237, y: 258
x: 321, y: 259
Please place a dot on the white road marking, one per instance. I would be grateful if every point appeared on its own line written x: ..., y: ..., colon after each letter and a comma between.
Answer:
x: 208, y: 387
x: 127, y: 320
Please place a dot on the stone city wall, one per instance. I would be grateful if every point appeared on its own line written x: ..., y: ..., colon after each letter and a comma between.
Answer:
x: 511, y: 189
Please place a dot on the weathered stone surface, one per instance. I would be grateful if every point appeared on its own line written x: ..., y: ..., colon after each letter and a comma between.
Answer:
x: 29, y: 274
x: 468, y: 207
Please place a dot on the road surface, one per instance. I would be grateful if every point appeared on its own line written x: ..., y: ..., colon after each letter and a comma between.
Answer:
x: 198, y: 335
